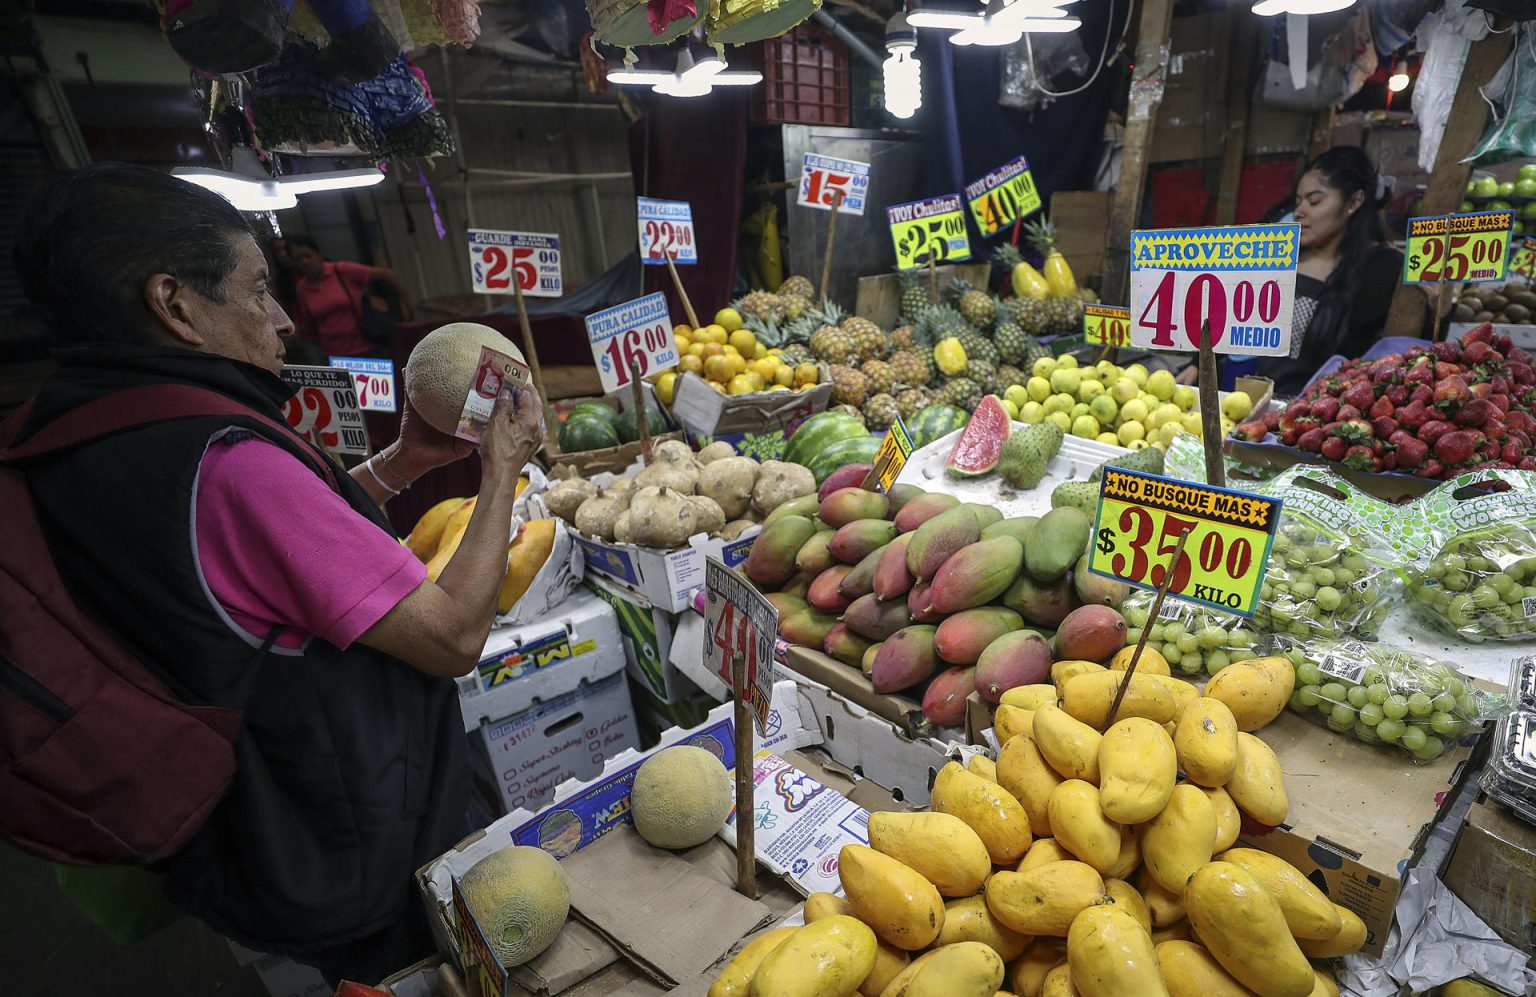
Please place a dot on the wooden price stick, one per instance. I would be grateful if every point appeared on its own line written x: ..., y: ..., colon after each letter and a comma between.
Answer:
x: 1210, y: 411
x: 746, y: 793
x: 642, y: 415
x: 933, y: 279
x: 1442, y: 309
x: 677, y: 282
x: 826, y: 259
x: 531, y: 353
x: 1157, y: 607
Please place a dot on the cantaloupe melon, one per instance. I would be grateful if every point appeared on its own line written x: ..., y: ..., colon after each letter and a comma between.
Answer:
x: 519, y: 896
x: 441, y: 370
x: 681, y: 797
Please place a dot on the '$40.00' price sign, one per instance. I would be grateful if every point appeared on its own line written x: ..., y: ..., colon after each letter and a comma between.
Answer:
x: 636, y: 334
x: 1139, y: 522
x: 739, y: 621
x: 1106, y: 325
x: 1003, y: 196
x: 1471, y: 246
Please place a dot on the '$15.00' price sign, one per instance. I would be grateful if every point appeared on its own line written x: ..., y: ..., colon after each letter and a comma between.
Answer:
x: 634, y: 335
x: 739, y: 621
x: 1139, y: 522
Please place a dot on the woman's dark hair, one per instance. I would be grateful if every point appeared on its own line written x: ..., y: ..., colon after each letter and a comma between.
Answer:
x: 90, y: 238
x: 305, y: 241
x: 1347, y: 169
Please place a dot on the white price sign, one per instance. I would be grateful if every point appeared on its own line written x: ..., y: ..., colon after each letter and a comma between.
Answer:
x: 324, y: 408
x: 666, y: 227
x: 823, y: 177
x: 530, y: 258
x: 738, y: 620
x: 635, y: 334
x: 375, y: 381
x: 1241, y: 279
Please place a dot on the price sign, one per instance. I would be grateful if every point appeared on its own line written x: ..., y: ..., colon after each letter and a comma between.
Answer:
x: 324, y: 408
x: 666, y: 227
x: 1139, y: 522
x: 738, y: 620
x: 822, y: 178
x: 934, y: 229
x: 636, y: 333
x: 1003, y: 196
x: 530, y: 258
x: 1106, y: 325
x: 375, y: 380
x: 891, y: 457
x: 1471, y: 246
x: 1240, y: 279
x: 1522, y: 257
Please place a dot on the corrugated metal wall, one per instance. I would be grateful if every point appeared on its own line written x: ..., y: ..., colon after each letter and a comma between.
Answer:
x: 580, y: 140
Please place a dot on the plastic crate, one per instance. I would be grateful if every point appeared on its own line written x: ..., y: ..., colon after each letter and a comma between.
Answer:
x: 805, y: 79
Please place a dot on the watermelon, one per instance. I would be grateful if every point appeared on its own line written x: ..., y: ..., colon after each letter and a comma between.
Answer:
x: 852, y: 450
x: 981, y: 444
x: 598, y: 409
x: 936, y: 422
x: 587, y: 432
x: 629, y: 423
x: 819, y: 432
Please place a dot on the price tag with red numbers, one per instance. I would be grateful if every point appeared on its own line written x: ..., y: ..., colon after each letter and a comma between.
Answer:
x: 532, y: 259
x: 1471, y: 246
x: 324, y: 408
x: 738, y: 620
x: 1003, y: 196
x: 1141, y: 517
x: 824, y: 177
x: 666, y: 228
x: 635, y: 334
x: 1522, y: 257
x: 375, y: 380
x: 1241, y: 279
x: 1106, y: 325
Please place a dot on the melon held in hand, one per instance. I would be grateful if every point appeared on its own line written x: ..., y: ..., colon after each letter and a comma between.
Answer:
x: 442, y: 369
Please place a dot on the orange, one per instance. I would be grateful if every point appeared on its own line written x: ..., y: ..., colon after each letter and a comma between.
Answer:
x: 710, y: 349
x: 719, y: 368
x: 691, y: 363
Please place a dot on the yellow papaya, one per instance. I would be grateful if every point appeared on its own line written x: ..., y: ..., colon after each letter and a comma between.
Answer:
x: 989, y: 809
x: 891, y: 897
x: 1137, y: 770
x: 1241, y: 924
x: 1111, y: 955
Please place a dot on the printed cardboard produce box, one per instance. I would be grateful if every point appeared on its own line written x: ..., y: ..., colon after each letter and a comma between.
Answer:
x: 757, y: 425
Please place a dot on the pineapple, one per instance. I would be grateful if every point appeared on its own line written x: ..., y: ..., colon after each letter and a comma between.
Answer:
x: 800, y: 287
x: 1012, y: 341
x: 1058, y: 275
x: 882, y: 376
x: 911, y: 402
x: 867, y: 335
x: 964, y: 392
x: 770, y: 334
x: 941, y: 322
x: 977, y: 306
x: 848, y: 410
x: 849, y: 387
x: 880, y: 411
x: 1032, y: 315
x: 799, y: 330
x: 903, y: 338
x: 982, y: 373
x: 794, y: 306
x: 914, y: 295
x: 831, y: 342
x: 908, y: 368
x: 1008, y: 374
x: 761, y: 304
x: 1065, y: 315
x: 978, y: 347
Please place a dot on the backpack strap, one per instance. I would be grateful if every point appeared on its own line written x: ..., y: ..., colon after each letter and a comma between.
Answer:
x: 135, y: 407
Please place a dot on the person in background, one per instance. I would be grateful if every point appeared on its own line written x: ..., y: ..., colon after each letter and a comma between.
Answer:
x: 1346, y: 276
x: 329, y: 298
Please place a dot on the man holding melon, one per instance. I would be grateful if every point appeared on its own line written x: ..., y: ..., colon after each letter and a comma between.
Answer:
x: 250, y: 573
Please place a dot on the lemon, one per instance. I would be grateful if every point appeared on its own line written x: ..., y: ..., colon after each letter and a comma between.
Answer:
x: 784, y: 375
x: 1191, y: 422
x: 1090, y: 390
x: 1017, y: 394
x: 1067, y: 360
x: 760, y: 352
x: 1039, y: 388
x: 1031, y: 412
x: 1137, y: 373
x: 741, y: 384
x: 1066, y: 380
x: 719, y: 368
x: 1124, y: 389
x: 776, y: 387
x: 713, y: 334
x: 691, y: 363
x: 1236, y: 406
x: 682, y: 329
x: 1131, y: 432
x: 1043, y: 367
x: 728, y: 319
x: 744, y: 341
x: 682, y: 341
x: 755, y: 378
x: 730, y: 350
x: 666, y: 387
x: 1107, y: 437
x: 1011, y: 408
x: 1161, y: 384
x: 695, y: 350
x: 1059, y: 420
x: 1185, y: 397
x: 1085, y: 426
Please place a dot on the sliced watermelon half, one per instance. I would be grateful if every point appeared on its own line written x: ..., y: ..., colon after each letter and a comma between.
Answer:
x: 981, y: 443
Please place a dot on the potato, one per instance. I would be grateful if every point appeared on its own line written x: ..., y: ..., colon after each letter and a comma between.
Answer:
x: 710, y: 516
x: 662, y: 518
x: 717, y: 450
x: 597, y: 516
x: 567, y: 496
x: 735, y: 528
x: 729, y: 482
x: 778, y: 482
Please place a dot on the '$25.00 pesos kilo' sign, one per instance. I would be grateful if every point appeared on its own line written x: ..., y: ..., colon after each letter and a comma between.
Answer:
x: 1241, y: 280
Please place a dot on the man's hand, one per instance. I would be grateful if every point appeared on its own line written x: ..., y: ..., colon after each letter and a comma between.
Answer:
x: 512, y: 435
x: 420, y: 448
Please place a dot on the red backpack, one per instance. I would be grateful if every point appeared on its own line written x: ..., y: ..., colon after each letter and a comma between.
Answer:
x: 99, y: 761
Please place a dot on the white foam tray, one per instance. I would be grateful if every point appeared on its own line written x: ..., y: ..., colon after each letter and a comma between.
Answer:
x: 1073, y: 462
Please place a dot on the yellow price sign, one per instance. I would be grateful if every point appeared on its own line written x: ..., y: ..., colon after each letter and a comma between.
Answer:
x: 1522, y: 257
x: 1424, y: 252
x: 1470, y: 246
x: 1106, y: 325
x: 1141, y: 517
x: 932, y: 229
x: 1003, y: 196
x: 891, y: 457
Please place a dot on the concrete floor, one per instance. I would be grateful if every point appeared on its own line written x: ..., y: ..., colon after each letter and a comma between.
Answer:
x: 49, y: 949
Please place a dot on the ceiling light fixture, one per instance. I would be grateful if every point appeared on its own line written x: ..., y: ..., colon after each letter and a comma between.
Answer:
x: 1398, y: 82
x: 249, y: 193
x: 691, y: 79
x: 999, y: 22
x: 902, y: 73
x: 1269, y: 8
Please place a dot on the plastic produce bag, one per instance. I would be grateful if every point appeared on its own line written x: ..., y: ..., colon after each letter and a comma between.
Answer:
x: 1192, y: 638
x: 1510, y: 775
x: 558, y: 577
x: 1445, y: 37
x: 1479, y: 581
x: 1511, y: 132
x: 1381, y: 694
x: 1032, y: 64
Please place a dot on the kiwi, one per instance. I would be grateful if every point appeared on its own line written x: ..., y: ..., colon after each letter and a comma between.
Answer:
x: 1523, y: 298
x: 1483, y: 316
x: 1517, y: 313
x: 1462, y: 313
x: 1473, y: 302
x: 1495, y: 302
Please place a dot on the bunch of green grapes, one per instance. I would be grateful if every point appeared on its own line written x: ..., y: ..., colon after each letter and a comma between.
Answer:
x: 1192, y: 638
x: 1319, y: 585
x: 1382, y: 696
x: 1479, y: 588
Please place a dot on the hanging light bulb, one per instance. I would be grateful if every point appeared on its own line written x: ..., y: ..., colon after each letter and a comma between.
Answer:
x: 691, y: 79
x: 999, y: 22
x: 903, y: 73
x: 1269, y: 8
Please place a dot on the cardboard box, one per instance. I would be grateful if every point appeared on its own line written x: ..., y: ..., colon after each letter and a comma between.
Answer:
x: 1358, y: 816
x: 879, y: 296
x: 1082, y: 219
x: 758, y: 425
x: 612, y: 459
x: 647, y: 635
x: 1192, y: 119
x: 665, y: 579
x: 903, y: 712
x: 1493, y: 870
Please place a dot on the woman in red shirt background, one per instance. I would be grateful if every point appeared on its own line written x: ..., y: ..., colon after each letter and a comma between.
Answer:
x: 329, y: 299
